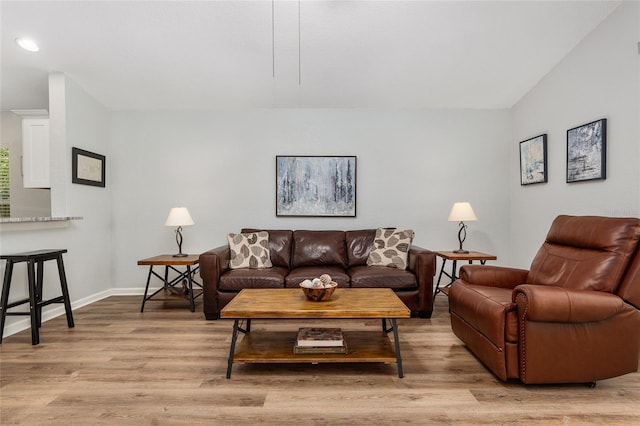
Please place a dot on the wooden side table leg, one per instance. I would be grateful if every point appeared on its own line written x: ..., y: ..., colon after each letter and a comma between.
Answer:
x: 444, y: 261
x: 146, y: 289
x: 453, y: 272
x: 192, y: 304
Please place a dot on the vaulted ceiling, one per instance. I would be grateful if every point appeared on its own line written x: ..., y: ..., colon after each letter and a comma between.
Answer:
x: 150, y: 55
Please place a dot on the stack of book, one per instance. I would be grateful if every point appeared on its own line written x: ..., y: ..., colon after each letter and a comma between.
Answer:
x: 313, y: 340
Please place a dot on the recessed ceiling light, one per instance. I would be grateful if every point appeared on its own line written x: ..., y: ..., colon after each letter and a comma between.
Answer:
x: 27, y: 44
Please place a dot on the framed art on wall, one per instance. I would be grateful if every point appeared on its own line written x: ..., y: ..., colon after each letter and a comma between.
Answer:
x: 533, y: 160
x: 318, y: 186
x: 87, y: 168
x: 587, y: 151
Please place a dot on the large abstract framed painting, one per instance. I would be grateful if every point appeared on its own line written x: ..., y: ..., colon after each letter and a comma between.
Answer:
x: 587, y: 151
x: 87, y: 168
x: 533, y: 160
x: 316, y: 186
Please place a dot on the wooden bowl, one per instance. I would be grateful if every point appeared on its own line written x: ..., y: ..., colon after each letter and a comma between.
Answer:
x: 319, y: 294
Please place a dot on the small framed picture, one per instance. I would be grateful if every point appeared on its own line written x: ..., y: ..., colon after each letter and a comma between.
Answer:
x: 88, y: 168
x: 533, y: 160
x: 587, y: 151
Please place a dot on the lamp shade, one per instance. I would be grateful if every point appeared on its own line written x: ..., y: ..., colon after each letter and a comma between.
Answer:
x: 462, y: 212
x: 179, y: 216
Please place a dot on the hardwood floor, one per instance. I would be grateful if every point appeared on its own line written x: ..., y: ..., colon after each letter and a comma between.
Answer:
x: 168, y: 365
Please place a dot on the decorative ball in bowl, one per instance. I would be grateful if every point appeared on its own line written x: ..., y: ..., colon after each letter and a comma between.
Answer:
x: 319, y: 289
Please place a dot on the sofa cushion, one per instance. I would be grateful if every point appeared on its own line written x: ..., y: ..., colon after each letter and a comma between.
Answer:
x: 279, y: 245
x: 391, y: 248
x: 249, y: 250
x: 237, y: 279
x: 381, y: 276
x: 359, y: 245
x: 318, y: 248
x: 297, y: 275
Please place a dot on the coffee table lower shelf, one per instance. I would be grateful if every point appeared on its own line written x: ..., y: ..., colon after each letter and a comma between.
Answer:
x: 277, y: 347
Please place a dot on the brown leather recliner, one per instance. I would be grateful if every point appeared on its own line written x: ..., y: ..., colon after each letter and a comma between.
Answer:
x: 571, y: 318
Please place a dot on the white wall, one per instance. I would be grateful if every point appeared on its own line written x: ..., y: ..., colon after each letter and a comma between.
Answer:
x: 25, y: 202
x: 599, y: 79
x: 88, y: 241
x: 411, y: 166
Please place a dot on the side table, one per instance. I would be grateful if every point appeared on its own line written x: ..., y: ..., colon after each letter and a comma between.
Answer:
x: 455, y: 257
x: 170, y: 288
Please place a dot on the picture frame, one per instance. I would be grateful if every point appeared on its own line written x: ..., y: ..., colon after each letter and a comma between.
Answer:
x: 88, y: 168
x: 316, y: 186
x: 533, y: 160
x: 587, y: 151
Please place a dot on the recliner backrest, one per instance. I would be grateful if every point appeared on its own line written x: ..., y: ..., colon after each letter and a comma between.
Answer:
x: 586, y: 253
x: 629, y: 289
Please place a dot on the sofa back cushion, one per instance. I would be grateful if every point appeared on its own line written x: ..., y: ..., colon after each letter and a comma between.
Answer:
x: 280, y: 242
x: 585, y: 253
x: 313, y: 248
x: 358, y: 245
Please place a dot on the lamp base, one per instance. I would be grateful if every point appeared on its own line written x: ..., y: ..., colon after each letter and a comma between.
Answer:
x: 461, y: 251
x: 180, y: 255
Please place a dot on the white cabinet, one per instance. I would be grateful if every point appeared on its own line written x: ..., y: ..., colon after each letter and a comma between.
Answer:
x: 35, y: 153
x: 35, y: 149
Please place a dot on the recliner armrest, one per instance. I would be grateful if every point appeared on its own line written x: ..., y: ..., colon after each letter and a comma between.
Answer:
x: 493, y: 276
x: 541, y: 303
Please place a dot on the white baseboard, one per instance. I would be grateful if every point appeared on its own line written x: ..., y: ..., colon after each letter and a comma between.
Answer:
x: 50, y: 313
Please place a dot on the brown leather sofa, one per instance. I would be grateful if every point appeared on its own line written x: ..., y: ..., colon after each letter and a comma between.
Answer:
x: 571, y: 318
x: 302, y: 254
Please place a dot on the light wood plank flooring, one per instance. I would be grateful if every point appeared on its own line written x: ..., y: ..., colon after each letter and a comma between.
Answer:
x: 168, y: 365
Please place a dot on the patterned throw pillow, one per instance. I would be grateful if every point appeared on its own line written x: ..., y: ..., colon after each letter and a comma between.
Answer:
x: 391, y: 248
x: 249, y: 250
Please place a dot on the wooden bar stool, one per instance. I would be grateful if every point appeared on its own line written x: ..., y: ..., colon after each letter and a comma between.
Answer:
x: 34, y: 300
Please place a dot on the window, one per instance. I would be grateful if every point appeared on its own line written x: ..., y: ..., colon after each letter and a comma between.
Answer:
x: 5, y: 209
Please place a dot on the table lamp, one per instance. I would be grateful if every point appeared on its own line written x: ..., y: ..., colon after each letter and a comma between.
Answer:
x: 459, y: 213
x: 179, y: 216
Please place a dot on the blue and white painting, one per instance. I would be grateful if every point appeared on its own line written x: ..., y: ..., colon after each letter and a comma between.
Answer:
x: 315, y: 186
x: 533, y: 160
x: 586, y: 151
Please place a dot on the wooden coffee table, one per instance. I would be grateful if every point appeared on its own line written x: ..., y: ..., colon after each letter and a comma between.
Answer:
x: 346, y: 303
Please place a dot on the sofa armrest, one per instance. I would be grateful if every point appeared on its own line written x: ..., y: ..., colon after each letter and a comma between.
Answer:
x: 422, y: 263
x: 213, y: 263
x: 541, y: 303
x: 493, y: 276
